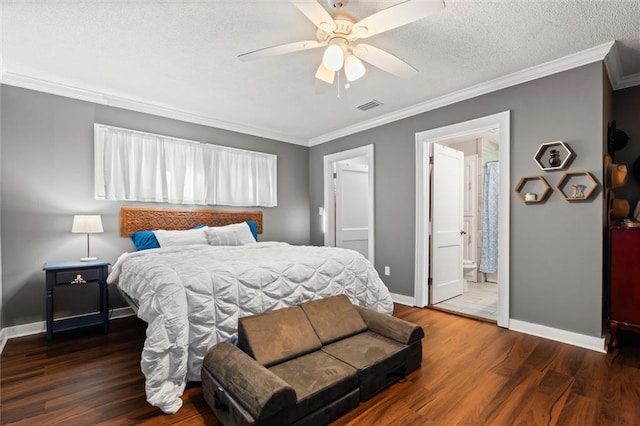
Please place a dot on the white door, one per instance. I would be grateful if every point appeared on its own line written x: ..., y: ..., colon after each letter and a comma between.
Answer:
x: 352, y: 207
x: 447, y: 193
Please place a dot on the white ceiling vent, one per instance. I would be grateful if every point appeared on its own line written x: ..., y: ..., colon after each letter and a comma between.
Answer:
x: 368, y: 105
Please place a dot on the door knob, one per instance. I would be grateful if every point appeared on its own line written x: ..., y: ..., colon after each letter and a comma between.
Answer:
x: 463, y: 232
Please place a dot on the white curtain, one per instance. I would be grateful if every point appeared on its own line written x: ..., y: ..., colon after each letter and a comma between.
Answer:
x: 138, y: 166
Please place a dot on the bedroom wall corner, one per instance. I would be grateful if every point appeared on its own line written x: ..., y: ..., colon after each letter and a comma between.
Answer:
x: 47, y: 177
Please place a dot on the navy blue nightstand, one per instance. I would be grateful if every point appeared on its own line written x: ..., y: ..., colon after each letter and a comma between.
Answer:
x: 76, y: 272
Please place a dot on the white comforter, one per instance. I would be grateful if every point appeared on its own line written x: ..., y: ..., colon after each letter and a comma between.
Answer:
x: 192, y: 296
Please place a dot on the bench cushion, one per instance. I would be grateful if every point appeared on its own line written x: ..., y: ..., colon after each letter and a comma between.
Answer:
x: 333, y: 318
x: 380, y: 361
x: 318, y: 379
x: 277, y: 336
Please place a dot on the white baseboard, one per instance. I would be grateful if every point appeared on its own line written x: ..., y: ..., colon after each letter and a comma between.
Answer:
x: 41, y: 326
x: 403, y: 300
x: 21, y: 330
x: 121, y: 313
x: 597, y: 344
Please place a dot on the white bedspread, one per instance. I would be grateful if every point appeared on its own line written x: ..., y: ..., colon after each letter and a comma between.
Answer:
x: 192, y: 296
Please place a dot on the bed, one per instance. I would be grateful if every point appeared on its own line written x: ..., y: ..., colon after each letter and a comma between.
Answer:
x: 192, y: 295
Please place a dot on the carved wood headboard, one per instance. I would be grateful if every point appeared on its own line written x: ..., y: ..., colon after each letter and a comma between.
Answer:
x: 134, y: 219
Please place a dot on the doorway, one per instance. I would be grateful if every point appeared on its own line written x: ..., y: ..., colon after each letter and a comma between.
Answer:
x: 478, y: 295
x: 348, y: 212
x: 425, y: 266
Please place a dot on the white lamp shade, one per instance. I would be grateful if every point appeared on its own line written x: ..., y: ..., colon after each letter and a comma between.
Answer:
x: 87, y: 224
x: 325, y: 75
x: 333, y: 58
x: 354, y: 68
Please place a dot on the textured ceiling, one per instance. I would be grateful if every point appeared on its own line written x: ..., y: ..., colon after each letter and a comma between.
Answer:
x: 182, y: 55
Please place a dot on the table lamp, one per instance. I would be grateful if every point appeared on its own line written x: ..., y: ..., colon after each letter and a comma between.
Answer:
x: 87, y: 224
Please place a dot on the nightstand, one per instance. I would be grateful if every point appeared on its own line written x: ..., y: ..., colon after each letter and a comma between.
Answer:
x: 74, y: 273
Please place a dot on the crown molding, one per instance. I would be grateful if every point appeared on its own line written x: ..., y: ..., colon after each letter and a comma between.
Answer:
x: 607, y: 52
x: 104, y: 98
x: 594, y: 54
x: 614, y: 69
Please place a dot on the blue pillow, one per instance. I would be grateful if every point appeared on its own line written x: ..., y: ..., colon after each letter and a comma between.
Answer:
x: 254, y: 228
x: 144, y: 240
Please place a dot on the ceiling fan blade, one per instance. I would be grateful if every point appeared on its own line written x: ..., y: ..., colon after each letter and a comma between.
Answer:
x: 316, y: 14
x: 384, y: 60
x: 281, y: 49
x: 395, y: 16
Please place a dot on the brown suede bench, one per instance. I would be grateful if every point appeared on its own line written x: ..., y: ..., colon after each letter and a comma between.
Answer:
x: 308, y: 364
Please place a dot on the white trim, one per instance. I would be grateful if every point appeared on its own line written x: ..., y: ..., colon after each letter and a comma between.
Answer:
x: 21, y: 330
x: 423, y: 226
x: 363, y: 151
x: 423, y: 141
x: 41, y: 326
x: 594, y: 54
x: 575, y: 60
x: 597, y: 344
x: 124, y: 312
x: 403, y: 300
x: 140, y: 105
x: 614, y: 69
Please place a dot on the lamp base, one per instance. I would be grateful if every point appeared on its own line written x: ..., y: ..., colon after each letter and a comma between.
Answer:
x: 88, y: 259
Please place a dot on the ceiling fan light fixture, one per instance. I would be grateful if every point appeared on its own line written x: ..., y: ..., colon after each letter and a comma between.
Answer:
x: 354, y: 68
x: 333, y: 57
x: 325, y: 75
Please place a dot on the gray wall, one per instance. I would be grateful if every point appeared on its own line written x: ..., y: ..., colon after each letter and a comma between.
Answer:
x: 1, y: 303
x: 47, y: 177
x: 626, y: 112
x: 556, y: 247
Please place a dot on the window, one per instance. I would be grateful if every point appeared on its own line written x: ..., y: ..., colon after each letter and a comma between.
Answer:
x: 139, y: 166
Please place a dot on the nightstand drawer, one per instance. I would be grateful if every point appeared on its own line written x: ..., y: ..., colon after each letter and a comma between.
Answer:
x: 77, y: 276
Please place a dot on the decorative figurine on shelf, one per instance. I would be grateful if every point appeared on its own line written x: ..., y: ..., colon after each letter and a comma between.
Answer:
x: 554, y: 158
x: 578, y: 190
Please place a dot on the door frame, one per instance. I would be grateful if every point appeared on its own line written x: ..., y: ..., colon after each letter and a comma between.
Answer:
x: 329, y: 207
x: 423, y: 171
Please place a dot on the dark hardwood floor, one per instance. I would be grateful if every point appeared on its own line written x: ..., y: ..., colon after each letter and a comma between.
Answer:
x: 473, y: 373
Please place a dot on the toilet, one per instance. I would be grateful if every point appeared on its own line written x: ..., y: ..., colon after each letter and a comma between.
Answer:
x: 468, y: 266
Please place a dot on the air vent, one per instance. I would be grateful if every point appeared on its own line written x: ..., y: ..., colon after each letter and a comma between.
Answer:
x: 371, y: 104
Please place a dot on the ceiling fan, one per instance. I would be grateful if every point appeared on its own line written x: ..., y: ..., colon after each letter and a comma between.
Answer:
x: 341, y: 35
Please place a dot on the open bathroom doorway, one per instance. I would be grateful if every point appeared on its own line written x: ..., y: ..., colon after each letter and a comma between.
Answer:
x: 484, y: 230
x: 480, y: 225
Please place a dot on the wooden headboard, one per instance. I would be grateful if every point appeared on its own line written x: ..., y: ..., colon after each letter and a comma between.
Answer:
x: 134, y: 219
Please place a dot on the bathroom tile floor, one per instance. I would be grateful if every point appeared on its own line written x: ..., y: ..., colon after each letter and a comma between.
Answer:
x: 480, y: 301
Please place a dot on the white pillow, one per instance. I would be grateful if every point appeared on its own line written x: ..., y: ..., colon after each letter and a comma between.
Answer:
x: 181, y: 238
x: 237, y: 234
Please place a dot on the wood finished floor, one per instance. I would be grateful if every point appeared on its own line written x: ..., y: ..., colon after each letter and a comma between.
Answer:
x: 473, y: 373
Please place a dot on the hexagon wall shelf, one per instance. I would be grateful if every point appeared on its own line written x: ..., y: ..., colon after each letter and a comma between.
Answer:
x: 544, y: 154
x: 582, y: 184
x: 536, y: 185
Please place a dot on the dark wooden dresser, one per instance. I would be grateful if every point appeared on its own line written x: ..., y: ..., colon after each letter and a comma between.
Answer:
x: 624, y: 298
